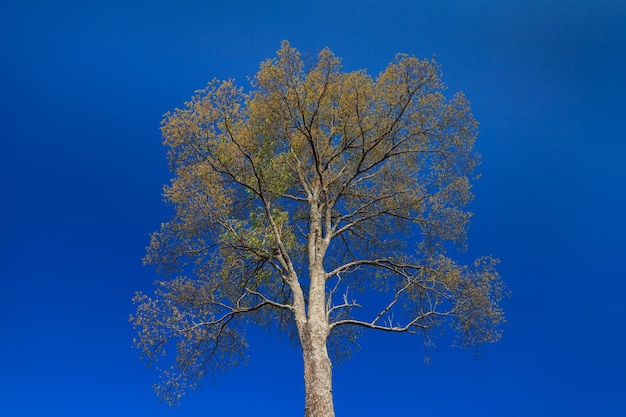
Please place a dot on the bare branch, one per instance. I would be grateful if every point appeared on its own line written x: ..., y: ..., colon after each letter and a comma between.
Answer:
x: 267, y: 301
x: 408, y: 327
x: 385, y: 263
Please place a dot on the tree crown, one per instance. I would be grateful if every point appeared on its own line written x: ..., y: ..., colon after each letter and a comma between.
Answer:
x: 315, y: 169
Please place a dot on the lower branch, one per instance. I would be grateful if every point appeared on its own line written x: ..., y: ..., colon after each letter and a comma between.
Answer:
x: 408, y: 327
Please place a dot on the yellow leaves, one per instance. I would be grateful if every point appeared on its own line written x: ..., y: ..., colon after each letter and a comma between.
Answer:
x: 351, y: 168
x: 385, y: 153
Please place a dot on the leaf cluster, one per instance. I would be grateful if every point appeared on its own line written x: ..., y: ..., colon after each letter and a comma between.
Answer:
x: 369, y: 174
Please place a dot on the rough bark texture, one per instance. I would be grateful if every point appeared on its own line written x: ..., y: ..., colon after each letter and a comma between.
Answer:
x: 317, y: 372
x: 314, y: 333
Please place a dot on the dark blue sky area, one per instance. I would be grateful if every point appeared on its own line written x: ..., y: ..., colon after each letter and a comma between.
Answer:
x: 83, y: 86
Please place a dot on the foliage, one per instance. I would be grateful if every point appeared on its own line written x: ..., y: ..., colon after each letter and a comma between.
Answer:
x: 316, y: 181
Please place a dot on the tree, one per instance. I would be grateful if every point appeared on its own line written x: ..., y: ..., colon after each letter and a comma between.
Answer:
x: 294, y: 200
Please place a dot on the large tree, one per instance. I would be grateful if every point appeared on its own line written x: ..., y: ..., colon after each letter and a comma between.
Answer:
x: 298, y: 201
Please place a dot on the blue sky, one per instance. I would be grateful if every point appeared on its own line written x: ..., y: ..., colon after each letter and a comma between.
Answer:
x: 83, y: 86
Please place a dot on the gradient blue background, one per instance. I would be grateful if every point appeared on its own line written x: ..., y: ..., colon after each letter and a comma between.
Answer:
x: 83, y: 86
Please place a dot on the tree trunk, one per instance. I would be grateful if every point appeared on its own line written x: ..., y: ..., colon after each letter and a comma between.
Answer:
x: 317, y: 372
x: 314, y: 330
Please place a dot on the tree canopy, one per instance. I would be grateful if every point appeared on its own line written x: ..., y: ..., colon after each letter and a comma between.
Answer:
x: 318, y: 202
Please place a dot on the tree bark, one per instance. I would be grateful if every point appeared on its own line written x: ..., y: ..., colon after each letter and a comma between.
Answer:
x: 314, y: 331
x: 317, y: 372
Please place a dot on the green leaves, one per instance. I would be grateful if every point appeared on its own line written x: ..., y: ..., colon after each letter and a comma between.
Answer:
x: 314, y: 170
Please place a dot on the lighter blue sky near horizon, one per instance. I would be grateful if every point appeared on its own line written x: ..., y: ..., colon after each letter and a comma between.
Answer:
x: 83, y: 86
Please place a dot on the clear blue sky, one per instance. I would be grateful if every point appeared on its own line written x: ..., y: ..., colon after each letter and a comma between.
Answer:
x: 83, y: 86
